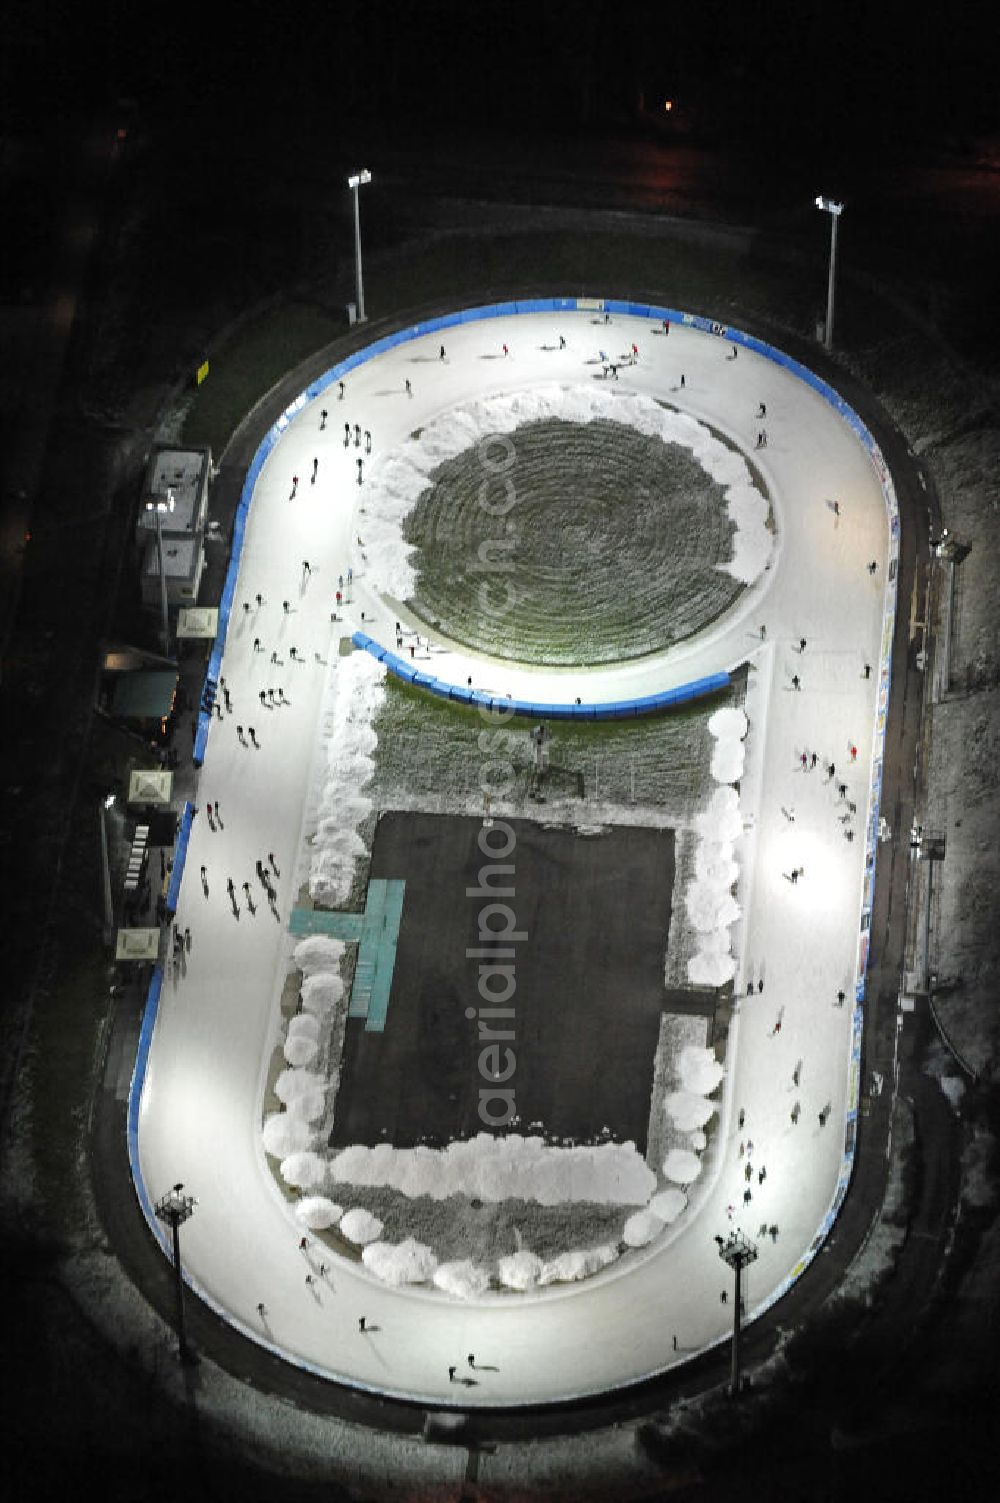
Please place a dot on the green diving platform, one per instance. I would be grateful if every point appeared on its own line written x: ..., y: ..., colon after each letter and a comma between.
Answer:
x: 376, y: 933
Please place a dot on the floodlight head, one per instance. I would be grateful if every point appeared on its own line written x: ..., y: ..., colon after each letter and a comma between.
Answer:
x: 828, y: 204
x: 356, y: 178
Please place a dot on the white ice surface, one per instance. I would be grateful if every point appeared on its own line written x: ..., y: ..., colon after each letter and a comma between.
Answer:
x: 217, y: 1026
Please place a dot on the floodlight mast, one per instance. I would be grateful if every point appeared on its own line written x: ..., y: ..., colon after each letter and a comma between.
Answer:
x: 738, y: 1251
x: 834, y: 210
x: 355, y: 181
x: 157, y: 507
x: 174, y: 1208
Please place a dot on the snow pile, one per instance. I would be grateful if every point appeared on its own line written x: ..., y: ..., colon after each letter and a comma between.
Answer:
x: 284, y: 1134
x: 303, y: 1171
x: 346, y: 766
x: 682, y: 1166
x: 521, y: 1270
x: 299, y: 1050
x: 463, y: 1279
x: 394, y: 486
x: 640, y: 1229
x: 709, y: 899
x: 317, y: 1212
x: 502, y: 1168
x: 720, y: 822
x: 699, y: 1070
x: 361, y: 1226
x: 580, y: 1263
x: 318, y: 953
x: 304, y: 1026
x: 321, y: 993
x: 687, y: 1110
x: 408, y: 1262
x: 308, y: 1106
x: 293, y: 1083
x: 729, y: 727
x: 669, y: 1204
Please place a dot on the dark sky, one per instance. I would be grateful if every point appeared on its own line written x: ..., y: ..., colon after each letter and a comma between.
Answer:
x: 787, y: 74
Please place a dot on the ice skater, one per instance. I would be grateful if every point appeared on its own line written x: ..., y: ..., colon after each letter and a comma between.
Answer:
x: 273, y: 864
x: 306, y: 568
x: 315, y: 468
x: 253, y: 736
x: 241, y: 735
x: 761, y: 438
x: 322, y: 420
x: 341, y: 392
x: 824, y: 1114
x: 295, y: 487
x: 441, y: 353
x: 795, y: 1114
x: 802, y: 644
x: 409, y: 388
x: 357, y: 435
x: 796, y: 682
x: 368, y: 441
x: 762, y: 410
x: 360, y: 471
x: 347, y: 435
x: 733, y: 352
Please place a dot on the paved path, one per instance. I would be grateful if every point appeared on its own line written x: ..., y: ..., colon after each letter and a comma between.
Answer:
x: 202, y: 1101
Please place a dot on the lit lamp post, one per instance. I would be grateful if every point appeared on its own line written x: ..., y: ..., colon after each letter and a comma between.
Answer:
x: 737, y: 1250
x: 158, y: 508
x: 175, y: 1208
x: 355, y: 181
x: 834, y: 210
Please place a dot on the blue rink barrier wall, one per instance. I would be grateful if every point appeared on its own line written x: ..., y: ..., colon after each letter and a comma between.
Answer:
x: 625, y: 709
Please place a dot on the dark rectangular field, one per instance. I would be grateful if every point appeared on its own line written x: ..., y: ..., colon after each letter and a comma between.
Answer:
x: 589, y: 985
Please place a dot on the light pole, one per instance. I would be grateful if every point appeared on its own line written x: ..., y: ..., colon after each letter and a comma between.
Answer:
x: 737, y: 1250
x: 355, y: 181
x: 158, y: 508
x: 834, y: 210
x: 175, y: 1208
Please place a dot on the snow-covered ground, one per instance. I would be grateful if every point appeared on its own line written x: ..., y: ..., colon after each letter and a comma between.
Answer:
x: 220, y: 1021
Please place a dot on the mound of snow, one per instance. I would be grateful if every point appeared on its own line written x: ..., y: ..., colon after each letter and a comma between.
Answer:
x: 317, y: 1212
x: 578, y: 1264
x: 682, y: 1166
x: 521, y: 1270
x: 720, y: 821
x: 699, y: 1070
x: 713, y: 863
x: 640, y: 1229
x: 292, y: 1083
x: 308, y: 1106
x: 317, y: 952
x: 408, y: 1262
x: 727, y: 761
x: 303, y: 1171
x: 728, y: 723
x: 711, y: 970
x: 463, y: 1279
x: 668, y: 1205
x: 321, y: 993
x: 709, y: 907
x: 284, y: 1134
x: 303, y: 1026
x: 688, y: 1110
x: 299, y: 1050
x: 501, y: 1168
x: 360, y: 1226
x: 698, y: 1141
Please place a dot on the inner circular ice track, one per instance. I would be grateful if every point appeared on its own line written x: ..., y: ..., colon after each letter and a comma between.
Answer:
x: 210, y: 1032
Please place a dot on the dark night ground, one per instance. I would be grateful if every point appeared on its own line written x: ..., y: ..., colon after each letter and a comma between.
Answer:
x: 589, y: 985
